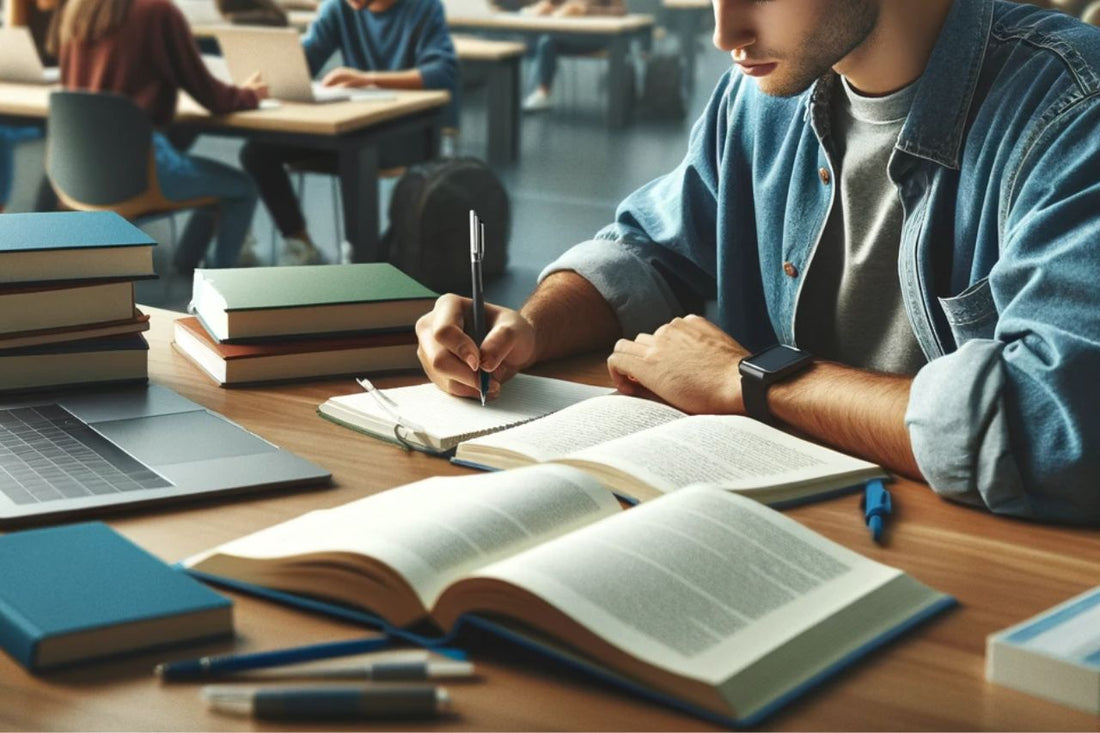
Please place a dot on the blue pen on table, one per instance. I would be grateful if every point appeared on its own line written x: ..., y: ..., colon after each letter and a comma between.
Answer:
x: 876, y: 506
x: 229, y: 663
x: 330, y: 703
x: 477, y: 253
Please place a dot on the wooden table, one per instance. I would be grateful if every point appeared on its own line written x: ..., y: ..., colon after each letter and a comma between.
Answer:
x: 500, y: 63
x: 616, y: 33
x: 499, y: 60
x: 353, y: 130
x: 1000, y: 570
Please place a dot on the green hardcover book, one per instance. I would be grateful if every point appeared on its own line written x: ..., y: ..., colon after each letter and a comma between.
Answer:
x: 242, y: 304
x: 74, y: 245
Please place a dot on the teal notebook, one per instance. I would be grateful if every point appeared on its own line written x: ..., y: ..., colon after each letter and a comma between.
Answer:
x: 238, y: 304
x: 72, y: 245
x: 81, y: 592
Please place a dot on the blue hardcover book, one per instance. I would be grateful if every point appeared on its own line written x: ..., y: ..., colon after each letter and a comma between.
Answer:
x: 701, y: 599
x: 81, y: 592
x: 72, y: 245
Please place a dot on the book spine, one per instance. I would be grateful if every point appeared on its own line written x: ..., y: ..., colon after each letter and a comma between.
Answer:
x: 18, y: 636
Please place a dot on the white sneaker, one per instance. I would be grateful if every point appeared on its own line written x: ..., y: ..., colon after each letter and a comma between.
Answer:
x: 300, y: 252
x: 247, y: 257
x: 347, y: 253
x: 537, y: 101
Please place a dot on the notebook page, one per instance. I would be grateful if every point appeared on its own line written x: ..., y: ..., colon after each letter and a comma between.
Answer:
x: 446, y: 417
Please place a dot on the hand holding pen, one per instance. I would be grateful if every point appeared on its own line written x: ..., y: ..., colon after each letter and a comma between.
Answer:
x: 477, y: 254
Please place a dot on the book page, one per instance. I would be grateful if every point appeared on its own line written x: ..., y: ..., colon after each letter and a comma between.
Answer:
x: 450, y: 419
x: 577, y: 427
x: 700, y: 582
x: 737, y: 451
x: 434, y: 531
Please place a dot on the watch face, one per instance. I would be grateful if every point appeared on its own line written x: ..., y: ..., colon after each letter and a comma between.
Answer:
x: 777, y: 358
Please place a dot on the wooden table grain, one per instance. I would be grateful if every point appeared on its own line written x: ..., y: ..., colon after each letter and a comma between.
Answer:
x: 1000, y: 570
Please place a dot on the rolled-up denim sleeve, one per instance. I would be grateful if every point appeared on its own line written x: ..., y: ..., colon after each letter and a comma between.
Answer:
x: 657, y: 260
x: 1013, y: 422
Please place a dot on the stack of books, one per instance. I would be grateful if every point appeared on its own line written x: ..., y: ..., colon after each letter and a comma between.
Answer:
x: 266, y: 324
x: 67, y: 314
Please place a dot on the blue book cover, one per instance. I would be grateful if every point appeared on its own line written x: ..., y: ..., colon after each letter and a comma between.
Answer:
x: 72, y: 245
x: 81, y: 592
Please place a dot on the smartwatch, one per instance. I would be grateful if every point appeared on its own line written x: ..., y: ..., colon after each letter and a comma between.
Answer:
x: 763, y: 369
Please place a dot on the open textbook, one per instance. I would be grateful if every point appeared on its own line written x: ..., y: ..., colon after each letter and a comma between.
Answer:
x: 642, y: 449
x: 701, y: 598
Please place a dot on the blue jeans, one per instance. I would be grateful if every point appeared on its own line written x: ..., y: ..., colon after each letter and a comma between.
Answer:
x: 184, y: 176
x: 9, y: 136
x: 547, y: 50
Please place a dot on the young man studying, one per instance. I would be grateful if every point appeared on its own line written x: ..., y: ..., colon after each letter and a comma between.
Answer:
x: 395, y: 44
x: 909, y: 192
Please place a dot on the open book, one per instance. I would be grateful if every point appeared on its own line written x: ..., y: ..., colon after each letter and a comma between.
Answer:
x: 642, y: 449
x: 702, y: 598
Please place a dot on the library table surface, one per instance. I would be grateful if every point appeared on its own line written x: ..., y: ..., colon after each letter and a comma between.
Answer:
x: 354, y: 130
x: 1000, y: 570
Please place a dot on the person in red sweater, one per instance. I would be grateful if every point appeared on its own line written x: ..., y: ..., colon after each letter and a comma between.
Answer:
x: 144, y: 50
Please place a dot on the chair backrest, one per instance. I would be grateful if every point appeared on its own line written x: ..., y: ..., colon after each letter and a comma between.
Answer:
x: 98, y: 148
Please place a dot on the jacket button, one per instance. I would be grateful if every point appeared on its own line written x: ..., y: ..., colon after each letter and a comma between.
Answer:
x: 824, y: 174
x: 790, y: 269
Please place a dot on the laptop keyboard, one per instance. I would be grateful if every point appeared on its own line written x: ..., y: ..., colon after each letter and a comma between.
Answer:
x: 47, y: 453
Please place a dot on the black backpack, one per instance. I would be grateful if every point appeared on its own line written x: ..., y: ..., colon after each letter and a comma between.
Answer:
x: 429, y: 232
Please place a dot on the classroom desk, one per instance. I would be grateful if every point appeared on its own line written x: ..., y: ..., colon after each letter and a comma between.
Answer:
x: 615, y: 32
x: 1000, y: 570
x: 352, y: 130
x: 500, y: 62
x: 685, y: 18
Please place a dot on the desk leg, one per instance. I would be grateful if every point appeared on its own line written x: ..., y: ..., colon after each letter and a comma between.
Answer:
x: 503, y: 102
x: 359, y: 189
x: 618, y: 105
x: 688, y: 22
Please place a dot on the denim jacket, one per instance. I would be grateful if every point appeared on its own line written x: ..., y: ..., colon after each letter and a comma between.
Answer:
x: 998, y: 171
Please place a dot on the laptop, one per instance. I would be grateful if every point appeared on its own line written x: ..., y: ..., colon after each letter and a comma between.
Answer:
x: 19, y: 59
x: 76, y: 453
x: 278, y: 55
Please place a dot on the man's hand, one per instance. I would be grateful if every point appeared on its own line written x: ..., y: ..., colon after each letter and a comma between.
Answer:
x: 345, y: 77
x: 257, y: 84
x: 452, y: 360
x: 689, y: 363
x: 543, y: 7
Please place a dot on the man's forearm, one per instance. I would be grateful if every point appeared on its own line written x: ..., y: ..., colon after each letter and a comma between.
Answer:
x: 858, y: 412
x: 569, y: 317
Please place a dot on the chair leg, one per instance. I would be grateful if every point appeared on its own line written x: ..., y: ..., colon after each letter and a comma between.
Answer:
x: 336, y: 217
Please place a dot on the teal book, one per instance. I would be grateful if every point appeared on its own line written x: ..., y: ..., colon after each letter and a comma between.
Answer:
x: 256, y: 303
x: 72, y: 245
x: 82, y: 592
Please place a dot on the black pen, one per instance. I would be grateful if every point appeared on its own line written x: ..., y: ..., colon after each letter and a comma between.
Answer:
x: 477, y: 252
x: 330, y: 703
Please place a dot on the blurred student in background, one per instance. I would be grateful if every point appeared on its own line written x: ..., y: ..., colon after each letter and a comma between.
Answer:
x: 143, y: 49
x: 393, y: 44
x: 548, y: 48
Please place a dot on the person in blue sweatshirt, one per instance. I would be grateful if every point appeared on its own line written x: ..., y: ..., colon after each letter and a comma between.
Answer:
x: 395, y: 44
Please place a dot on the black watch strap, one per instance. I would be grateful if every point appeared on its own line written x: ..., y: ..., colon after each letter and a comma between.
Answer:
x: 754, y: 393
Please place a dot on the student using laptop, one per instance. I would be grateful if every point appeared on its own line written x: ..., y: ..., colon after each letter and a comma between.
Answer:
x: 396, y: 44
x: 39, y: 17
x: 144, y: 49
x: 904, y: 191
